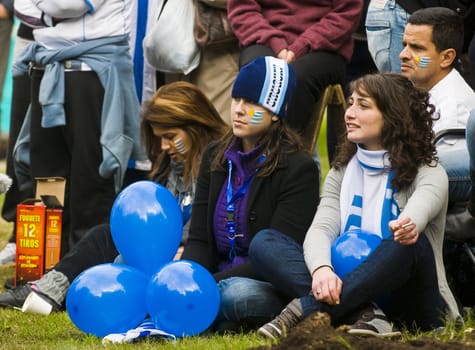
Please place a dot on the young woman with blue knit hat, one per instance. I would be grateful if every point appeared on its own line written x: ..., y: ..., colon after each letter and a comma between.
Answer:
x: 258, y: 178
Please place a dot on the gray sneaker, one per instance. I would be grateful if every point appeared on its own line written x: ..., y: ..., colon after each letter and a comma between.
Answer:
x: 280, y: 326
x: 374, y: 322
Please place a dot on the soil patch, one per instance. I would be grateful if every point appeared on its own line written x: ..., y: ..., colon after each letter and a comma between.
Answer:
x: 316, y: 333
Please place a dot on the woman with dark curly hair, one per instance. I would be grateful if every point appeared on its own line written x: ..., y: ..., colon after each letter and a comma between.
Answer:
x: 385, y: 181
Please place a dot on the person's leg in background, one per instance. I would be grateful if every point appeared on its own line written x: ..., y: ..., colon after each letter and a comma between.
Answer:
x: 462, y: 224
x: 84, y: 96
x: 19, y: 105
x: 5, y: 39
x: 215, y: 77
x: 7, y: 254
x: 385, y: 23
x: 15, y: 195
x: 251, y: 52
x: 470, y: 135
x: 471, y: 60
x: 456, y: 161
x: 315, y: 71
x: 74, y: 151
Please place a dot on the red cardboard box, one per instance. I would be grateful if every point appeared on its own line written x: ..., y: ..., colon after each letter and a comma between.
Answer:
x: 38, y: 230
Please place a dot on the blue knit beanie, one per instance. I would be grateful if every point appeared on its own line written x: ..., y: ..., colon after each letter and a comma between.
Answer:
x: 266, y: 81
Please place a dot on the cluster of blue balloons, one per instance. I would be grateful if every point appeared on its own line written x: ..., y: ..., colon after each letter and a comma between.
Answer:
x: 181, y: 296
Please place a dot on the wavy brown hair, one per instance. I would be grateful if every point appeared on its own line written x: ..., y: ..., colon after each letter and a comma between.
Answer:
x: 407, y: 132
x: 180, y: 105
x: 276, y: 142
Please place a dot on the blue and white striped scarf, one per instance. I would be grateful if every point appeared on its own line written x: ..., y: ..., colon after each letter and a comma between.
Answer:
x: 366, y: 197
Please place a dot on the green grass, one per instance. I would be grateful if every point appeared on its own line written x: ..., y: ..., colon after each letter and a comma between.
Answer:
x: 26, y: 331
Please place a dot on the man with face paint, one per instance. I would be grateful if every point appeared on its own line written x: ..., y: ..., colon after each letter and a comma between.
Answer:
x: 386, y: 20
x: 433, y: 39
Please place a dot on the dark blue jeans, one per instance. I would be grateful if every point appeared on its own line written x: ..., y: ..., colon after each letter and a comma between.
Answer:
x: 401, y: 279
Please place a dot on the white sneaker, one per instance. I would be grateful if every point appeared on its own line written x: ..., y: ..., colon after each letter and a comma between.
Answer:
x: 8, y: 254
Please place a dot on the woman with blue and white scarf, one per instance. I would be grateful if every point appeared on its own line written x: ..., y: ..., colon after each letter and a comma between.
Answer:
x: 385, y: 180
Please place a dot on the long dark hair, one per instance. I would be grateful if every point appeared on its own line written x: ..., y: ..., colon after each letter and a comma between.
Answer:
x: 407, y: 132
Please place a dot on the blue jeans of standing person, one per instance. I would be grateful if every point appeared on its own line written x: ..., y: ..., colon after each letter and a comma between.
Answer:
x: 385, y: 23
x: 401, y: 279
x: 471, y: 59
x: 456, y: 162
x: 470, y: 136
x: 459, y: 163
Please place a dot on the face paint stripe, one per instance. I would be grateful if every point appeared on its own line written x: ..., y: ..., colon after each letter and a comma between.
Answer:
x: 179, y: 145
x: 256, y: 116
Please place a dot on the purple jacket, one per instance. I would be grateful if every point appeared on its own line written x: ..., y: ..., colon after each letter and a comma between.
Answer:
x: 286, y: 201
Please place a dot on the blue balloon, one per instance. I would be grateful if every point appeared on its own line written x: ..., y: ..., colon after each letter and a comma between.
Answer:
x: 107, y: 298
x: 183, y: 298
x: 146, y: 225
x: 351, y: 248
